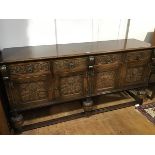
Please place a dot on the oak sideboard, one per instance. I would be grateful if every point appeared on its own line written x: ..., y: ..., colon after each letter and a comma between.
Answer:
x: 38, y: 76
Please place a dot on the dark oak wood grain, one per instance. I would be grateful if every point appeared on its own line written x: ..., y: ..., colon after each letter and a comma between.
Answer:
x: 53, y: 74
x: 74, y: 49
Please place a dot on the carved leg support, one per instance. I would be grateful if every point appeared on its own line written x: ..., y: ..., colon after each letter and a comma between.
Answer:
x: 88, y: 106
x: 17, y: 121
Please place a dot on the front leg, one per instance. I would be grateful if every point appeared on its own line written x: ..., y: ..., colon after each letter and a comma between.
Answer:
x: 88, y: 106
x: 17, y: 121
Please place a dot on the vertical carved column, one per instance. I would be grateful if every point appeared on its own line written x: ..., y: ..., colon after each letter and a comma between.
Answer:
x: 88, y: 103
x: 91, y: 62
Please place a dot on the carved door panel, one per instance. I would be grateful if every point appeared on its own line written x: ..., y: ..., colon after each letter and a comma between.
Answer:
x: 70, y: 86
x: 137, y: 68
x: 70, y: 78
x: 30, y: 91
x: 137, y: 75
x: 107, y: 72
x: 106, y: 80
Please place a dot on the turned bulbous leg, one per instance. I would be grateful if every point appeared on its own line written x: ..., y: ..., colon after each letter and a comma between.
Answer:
x: 17, y: 121
x: 88, y: 105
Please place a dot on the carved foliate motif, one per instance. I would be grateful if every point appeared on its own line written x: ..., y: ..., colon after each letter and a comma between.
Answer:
x: 106, y: 59
x: 71, y: 86
x: 33, y: 91
x: 29, y: 68
x: 134, y: 74
x: 142, y: 55
x: 69, y: 63
x: 105, y: 80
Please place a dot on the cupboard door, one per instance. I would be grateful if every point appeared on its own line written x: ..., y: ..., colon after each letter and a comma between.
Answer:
x: 137, y: 75
x: 29, y: 91
x: 107, y: 71
x: 70, y: 86
x: 105, y: 80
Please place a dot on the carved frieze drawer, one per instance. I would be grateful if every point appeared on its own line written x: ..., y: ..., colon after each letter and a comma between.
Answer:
x: 28, y: 68
x: 108, y: 59
x: 69, y: 65
x: 138, y: 55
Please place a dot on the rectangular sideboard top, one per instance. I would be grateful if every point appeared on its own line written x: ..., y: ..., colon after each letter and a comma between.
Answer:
x: 66, y: 50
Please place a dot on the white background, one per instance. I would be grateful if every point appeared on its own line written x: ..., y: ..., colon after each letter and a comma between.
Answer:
x: 24, y: 32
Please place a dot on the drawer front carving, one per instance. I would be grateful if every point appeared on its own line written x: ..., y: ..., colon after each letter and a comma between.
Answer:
x: 27, y: 68
x: 69, y: 65
x: 138, y: 56
x: 105, y: 80
x: 107, y: 59
x: 134, y: 74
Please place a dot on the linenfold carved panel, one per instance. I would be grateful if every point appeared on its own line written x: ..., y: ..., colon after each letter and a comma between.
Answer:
x: 72, y: 85
x: 134, y: 74
x: 105, y: 80
x: 106, y: 59
x: 61, y: 65
x: 29, y: 68
x: 32, y: 91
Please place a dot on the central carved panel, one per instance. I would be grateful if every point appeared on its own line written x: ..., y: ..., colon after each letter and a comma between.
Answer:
x: 33, y: 91
x: 134, y: 74
x: 105, y: 80
x: 71, y: 86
